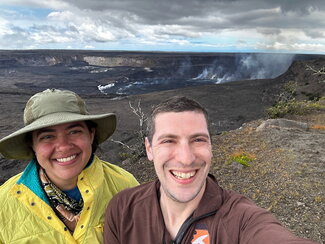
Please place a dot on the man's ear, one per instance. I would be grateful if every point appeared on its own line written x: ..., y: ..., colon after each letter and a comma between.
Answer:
x: 148, y: 149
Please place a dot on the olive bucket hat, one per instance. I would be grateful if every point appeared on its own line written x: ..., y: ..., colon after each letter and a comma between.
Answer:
x: 52, y: 107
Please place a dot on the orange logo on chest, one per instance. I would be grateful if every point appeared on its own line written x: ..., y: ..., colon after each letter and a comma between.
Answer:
x: 201, y: 237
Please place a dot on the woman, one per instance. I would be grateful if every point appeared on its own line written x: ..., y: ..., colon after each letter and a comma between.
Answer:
x: 62, y: 194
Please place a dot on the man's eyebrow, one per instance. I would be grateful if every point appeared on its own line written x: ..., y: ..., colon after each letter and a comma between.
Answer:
x: 206, y: 135
x: 166, y: 136
x: 172, y: 136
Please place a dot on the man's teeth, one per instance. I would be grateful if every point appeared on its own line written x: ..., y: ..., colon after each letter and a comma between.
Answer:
x: 62, y: 160
x: 182, y: 175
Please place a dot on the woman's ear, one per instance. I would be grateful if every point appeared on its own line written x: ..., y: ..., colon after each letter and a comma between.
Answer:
x: 92, y: 133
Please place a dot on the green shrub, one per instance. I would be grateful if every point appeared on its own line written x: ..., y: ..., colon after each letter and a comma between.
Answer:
x: 242, y: 158
x: 293, y: 107
x: 290, y: 88
x: 287, y: 104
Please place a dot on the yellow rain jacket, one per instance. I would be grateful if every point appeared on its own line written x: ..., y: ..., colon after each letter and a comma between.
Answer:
x: 27, y: 217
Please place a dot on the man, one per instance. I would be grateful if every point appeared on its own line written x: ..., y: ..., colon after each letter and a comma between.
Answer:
x: 62, y: 194
x: 186, y: 204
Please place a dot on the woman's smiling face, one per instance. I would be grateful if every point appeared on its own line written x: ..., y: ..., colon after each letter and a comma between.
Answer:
x: 63, y: 151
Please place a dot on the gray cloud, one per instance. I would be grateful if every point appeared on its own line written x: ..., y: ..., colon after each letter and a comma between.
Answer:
x: 160, y: 11
x: 315, y: 33
x: 148, y: 21
x: 212, y: 15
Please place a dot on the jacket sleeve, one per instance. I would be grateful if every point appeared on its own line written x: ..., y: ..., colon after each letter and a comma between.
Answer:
x: 260, y: 226
x: 111, y: 230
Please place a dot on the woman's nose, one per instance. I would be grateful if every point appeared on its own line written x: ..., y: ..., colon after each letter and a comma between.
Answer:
x: 63, y: 143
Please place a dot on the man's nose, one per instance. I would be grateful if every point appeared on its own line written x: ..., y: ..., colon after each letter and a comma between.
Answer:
x: 185, y: 154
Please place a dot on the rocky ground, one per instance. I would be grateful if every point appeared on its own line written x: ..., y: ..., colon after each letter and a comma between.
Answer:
x: 287, y: 174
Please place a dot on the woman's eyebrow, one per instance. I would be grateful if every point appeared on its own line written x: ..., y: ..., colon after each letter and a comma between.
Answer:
x: 44, y: 130
x: 75, y: 125
x: 48, y: 130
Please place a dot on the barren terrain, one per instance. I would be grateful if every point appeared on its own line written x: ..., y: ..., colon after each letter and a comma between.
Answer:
x: 287, y: 175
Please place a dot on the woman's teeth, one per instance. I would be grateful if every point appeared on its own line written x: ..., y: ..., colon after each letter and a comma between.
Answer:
x: 62, y: 160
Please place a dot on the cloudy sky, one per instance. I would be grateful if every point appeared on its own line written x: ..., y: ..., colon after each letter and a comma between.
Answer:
x: 295, y: 26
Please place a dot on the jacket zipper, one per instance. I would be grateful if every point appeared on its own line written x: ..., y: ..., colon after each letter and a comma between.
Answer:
x: 186, y: 225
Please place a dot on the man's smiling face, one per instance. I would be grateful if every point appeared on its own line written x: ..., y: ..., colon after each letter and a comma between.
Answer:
x: 181, y: 152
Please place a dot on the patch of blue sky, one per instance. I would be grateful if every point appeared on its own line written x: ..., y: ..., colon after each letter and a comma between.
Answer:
x: 23, y: 12
x: 215, y: 44
x: 166, y: 46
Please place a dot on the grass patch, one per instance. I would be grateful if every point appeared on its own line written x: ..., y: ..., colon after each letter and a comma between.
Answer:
x: 242, y: 158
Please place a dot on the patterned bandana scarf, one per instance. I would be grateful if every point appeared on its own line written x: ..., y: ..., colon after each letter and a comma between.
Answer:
x: 67, y: 209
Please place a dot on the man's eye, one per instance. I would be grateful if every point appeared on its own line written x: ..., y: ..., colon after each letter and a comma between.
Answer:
x: 200, y: 140
x: 167, y: 141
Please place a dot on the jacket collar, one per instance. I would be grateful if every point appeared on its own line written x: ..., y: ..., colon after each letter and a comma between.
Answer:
x: 30, y: 177
x: 93, y: 173
x: 212, y: 198
x: 31, y: 180
x: 210, y: 203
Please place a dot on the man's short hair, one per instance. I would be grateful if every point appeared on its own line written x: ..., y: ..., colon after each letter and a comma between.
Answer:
x: 174, y: 104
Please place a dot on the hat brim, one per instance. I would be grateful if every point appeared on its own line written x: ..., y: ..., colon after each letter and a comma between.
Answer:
x: 15, y: 146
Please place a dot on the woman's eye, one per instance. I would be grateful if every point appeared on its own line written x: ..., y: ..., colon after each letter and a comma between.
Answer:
x: 46, y: 137
x: 75, y: 132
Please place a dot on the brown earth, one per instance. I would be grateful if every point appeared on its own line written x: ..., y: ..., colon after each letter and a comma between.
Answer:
x: 287, y: 175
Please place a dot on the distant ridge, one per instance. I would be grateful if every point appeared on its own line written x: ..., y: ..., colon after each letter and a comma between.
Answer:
x: 122, y: 73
